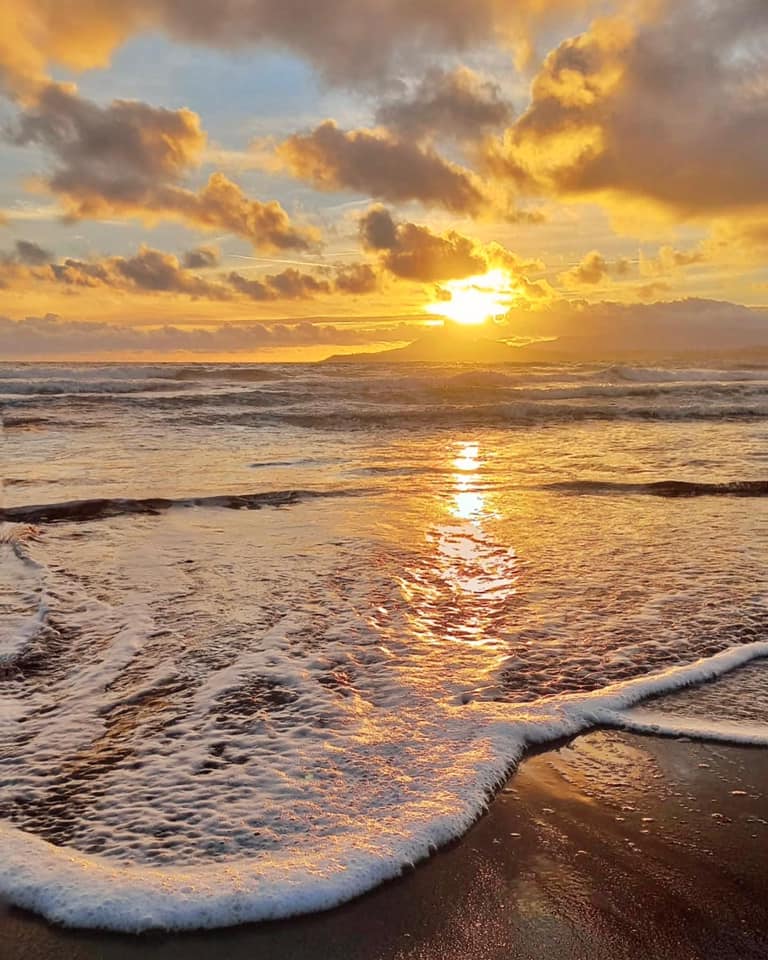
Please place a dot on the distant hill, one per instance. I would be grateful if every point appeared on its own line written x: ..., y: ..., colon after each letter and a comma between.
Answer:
x: 686, y: 330
x: 427, y: 350
x: 437, y: 347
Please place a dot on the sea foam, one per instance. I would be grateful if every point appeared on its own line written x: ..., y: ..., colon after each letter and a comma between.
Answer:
x: 207, y: 740
x: 421, y: 813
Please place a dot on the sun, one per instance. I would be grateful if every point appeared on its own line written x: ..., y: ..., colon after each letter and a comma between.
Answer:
x: 474, y: 300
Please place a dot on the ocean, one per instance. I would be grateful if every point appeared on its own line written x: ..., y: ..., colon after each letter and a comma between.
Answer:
x: 273, y: 632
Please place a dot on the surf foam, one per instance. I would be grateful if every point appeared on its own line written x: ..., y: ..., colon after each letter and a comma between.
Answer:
x: 76, y: 889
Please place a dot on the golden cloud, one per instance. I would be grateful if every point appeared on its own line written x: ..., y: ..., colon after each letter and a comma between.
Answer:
x: 594, y: 268
x: 669, y: 259
x: 662, y: 109
x: 155, y: 271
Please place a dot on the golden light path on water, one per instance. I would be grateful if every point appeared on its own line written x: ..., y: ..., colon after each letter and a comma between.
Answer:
x: 458, y: 594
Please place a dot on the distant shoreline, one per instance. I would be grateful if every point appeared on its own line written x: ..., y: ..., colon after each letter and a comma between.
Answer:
x: 556, y: 351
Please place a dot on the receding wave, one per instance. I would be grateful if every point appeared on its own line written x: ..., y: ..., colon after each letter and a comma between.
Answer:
x: 100, y: 509
x: 263, y: 883
x: 204, y: 728
x: 24, y: 423
x: 665, y: 488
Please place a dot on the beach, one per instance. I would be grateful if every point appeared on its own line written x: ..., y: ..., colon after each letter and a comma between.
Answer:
x: 257, y: 686
x: 610, y: 846
x: 384, y: 498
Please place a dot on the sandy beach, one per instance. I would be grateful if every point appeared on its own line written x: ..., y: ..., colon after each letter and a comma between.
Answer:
x: 610, y: 846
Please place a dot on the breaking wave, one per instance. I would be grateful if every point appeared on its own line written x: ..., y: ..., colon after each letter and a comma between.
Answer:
x: 680, y: 374
x: 665, y: 488
x: 14, y: 387
x: 100, y: 509
x: 500, y: 414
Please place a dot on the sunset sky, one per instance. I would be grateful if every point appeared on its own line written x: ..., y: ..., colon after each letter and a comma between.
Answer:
x: 279, y: 179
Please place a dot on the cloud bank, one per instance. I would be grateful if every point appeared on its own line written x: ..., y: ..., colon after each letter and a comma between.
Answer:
x: 159, y: 272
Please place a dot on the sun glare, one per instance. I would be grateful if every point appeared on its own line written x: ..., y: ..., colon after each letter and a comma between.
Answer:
x: 474, y: 300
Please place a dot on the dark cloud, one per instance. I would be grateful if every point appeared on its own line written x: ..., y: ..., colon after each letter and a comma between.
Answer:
x: 414, y: 252
x: 161, y: 272
x: 83, y: 273
x: 129, y: 158
x: 378, y: 230
x: 350, y: 41
x: 672, y: 110
x: 420, y: 254
x: 457, y: 103
x: 290, y: 284
x: 148, y: 270
x: 31, y: 253
x: 201, y: 258
x: 119, y: 152
x: 21, y: 263
x: 356, y: 278
x: 379, y: 164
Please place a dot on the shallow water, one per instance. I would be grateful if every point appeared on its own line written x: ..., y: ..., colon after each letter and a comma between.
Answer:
x: 213, y: 714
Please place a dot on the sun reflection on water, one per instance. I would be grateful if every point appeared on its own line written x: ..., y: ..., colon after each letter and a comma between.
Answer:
x: 459, y: 594
x: 468, y: 499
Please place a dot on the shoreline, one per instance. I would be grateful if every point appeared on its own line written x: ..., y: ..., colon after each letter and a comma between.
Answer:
x: 609, y: 845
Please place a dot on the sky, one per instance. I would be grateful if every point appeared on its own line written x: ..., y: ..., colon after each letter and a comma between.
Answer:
x: 274, y: 179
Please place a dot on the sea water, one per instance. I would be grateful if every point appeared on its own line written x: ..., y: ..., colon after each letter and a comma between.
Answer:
x: 272, y: 632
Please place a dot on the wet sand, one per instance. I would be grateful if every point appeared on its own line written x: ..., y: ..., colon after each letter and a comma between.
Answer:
x: 613, y: 846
